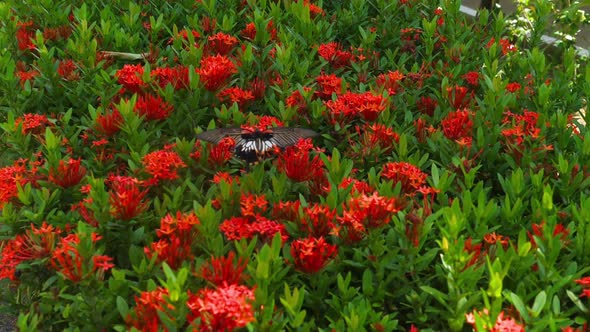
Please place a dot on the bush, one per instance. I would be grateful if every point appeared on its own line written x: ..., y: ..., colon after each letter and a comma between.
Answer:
x: 448, y: 187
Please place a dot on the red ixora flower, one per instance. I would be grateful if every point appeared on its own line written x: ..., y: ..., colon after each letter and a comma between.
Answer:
x: 507, y: 47
x: 472, y: 78
x: 67, y: 70
x: 349, y: 105
x: 327, y: 86
x: 67, y: 259
x: 585, y: 283
x: 523, y: 126
x: 13, y: 176
x: 221, y: 43
x: 458, y: 97
x: 317, y: 220
x: 145, y: 315
x: 67, y: 174
x: 224, y: 270
x: 126, y: 197
x: 559, y: 231
x: 32, y: 123
x: 110, y: 123
x: 376, y: 138
x: 295, y: 161
x: 458, y: 125
x: 152, y: 107
x: 390, y: 82
x: 235, y: 95
x: 176, y: 76
x: 513, y: 87
x: 25, y: 36
x: 237, y: 228
x: 227, y: 308
x: 249, y: 32
x: 311, y: 255
x: 410, y: 176
x: 222, y: 152
x: 130, y: 77
x: 503, y: 323
x: 176, y: 234
x: 215, y: 71
x: 163, y: 164
x: 35, y: 243
x: 336, y: 57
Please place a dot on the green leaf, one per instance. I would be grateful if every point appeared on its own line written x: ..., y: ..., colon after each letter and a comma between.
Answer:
x: 539, y: 303
x: 122, y: 307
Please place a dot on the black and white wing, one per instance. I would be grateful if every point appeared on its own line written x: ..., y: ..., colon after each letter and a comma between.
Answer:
x: 283, y: 136
x: 216, y: 135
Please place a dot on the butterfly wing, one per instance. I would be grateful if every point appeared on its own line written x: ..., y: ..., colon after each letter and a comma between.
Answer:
x: 283, y: 136
x: 216, y: 135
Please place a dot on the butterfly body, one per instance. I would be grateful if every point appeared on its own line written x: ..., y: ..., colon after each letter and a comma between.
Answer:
x: 253, y: 144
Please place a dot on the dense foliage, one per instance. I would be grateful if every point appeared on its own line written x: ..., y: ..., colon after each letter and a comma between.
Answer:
x: 448, y: 189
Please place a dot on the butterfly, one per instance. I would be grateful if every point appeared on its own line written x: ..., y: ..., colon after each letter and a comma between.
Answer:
x: 252, y: 143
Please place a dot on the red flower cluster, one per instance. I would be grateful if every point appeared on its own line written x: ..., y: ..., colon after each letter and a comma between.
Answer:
x: 13, y: 176
x: 376, y: 138
x: 226, y: 308
x: 524, y: 125
x: 311, y: 255
x: 296, y: 163
x: 318, y: 220
x: 152, y: 107
x: 222, y: 152
x: 502, y: 323
x: 67, y: 174
x: 176, y: 76
x: 25, y: 36
x: 215, y: 71
x: 83, y: 207
x: 585, y: 283
x: 249, y: 32
x: 163, y: 164
x: 176, y: 238
x: 328, y: 85
x: 67, y: 70
x: 36, y: 243
x: 32, y: 123
x: 297, y: 101
x: 513, y: 87
x: 336, y: 57
x: 350, y: 105
x: 539, y: 230
x: 410, y: 176
x: 390, y: 82
x: 472, y: 78
x: 251, y: 223
x: 110, y: 123
x: 479, y: 251
x: 130, y: 77
x: 145, y: 315
x: 458, y: 126
x: 126, y: 197
x: 235, y: 95
x: 224, y: 270
x: 221, y: 43
x: 183, y: 34
x: 67, y: 260
x: 358, y: 186
x: 507, y: 47
x: 458, y: 97
x: 365, y: 212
